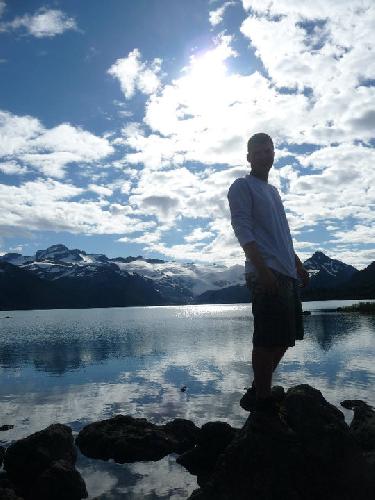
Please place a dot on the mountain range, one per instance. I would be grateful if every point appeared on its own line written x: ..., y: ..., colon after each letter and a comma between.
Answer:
x: 59, y: 277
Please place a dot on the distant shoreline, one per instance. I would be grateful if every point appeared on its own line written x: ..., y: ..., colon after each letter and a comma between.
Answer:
x: 370, y: 300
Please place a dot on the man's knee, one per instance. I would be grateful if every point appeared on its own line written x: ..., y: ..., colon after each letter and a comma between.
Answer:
x: 273, y: 349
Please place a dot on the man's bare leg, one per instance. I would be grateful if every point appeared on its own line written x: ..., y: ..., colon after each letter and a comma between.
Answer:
x: 265, y: 361
x: 278, y: 355
x: 262, y: 360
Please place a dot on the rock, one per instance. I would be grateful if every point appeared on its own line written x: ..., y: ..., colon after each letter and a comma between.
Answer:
x: 305, y: 454
x: 184, y: 432
x: 362, y: 426
x: 59, y: 482
x: 2, y: 453
x: 213, y: 438
x: 7, y: 489
x: 216, y: 435
x: 8, y: 494
x: 29, y: 459
x: 6, y: 427
x: 127, y: 439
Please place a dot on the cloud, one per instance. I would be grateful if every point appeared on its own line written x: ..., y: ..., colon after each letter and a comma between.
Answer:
x: 44, y: 23
x: 197, y: 235
x: 49, y: 205
x: 24, y: 140
x: 312, y: 92
x: 12, y: 168
x: 216, y: 16
x: 133, y: 74
x: 100, y: 190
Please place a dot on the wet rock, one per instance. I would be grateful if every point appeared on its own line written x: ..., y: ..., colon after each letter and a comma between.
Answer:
x: 6, y: 427
x: 362, y: 426
x: 59, y: 482
x: 128, y: 439
x: 8, y: 494
x: 213, y: 438
x: 28, y: 460
x: 306, y: 453
x: 184, y: 432
x: 7, y: 489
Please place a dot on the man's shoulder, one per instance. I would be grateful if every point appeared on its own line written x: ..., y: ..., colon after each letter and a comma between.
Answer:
x: 239, y: 184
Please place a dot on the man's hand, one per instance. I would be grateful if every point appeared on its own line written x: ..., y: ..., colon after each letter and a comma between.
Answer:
x: 302, y: 273
x: 304, y: 276
x: 268, y: 281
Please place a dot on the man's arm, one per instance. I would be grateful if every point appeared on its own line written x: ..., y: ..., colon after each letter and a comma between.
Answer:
x: 265, y: 276
x: 301, y: 271
x: 240, y: 205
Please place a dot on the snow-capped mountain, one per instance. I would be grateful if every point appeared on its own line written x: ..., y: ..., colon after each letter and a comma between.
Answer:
x: 326, y: 272
x: 60, y: 277
x: 189, y: 280
x: 176, y: 282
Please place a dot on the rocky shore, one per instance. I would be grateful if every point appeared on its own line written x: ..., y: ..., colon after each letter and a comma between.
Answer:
x: 307, y: 453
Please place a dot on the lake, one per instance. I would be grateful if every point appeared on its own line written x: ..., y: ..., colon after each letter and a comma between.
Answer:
x: 78, y: 366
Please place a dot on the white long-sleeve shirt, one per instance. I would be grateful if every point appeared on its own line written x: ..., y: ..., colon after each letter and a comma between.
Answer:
x: 257, y: 214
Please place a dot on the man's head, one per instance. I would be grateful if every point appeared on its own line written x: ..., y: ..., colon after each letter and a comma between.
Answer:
x: 260, y: 153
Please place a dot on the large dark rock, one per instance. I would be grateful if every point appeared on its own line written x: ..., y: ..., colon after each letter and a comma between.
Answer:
x: 213, y: 438
x: 6, y: 427
x: 8, y: 494
x: 128, y: 439
x: 60, y: 481
x: 307, y: 453
x: 362, y: 426
x: 32, y: 461
x: 184, y: 432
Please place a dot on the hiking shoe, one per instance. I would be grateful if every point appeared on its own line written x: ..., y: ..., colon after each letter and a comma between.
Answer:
x: 247, y: 402
x: 267, y: 407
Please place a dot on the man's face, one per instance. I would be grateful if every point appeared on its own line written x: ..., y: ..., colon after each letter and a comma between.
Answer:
x: 261, y: 157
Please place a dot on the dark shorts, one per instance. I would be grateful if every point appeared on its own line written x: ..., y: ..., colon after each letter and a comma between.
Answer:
x: 278, y: 317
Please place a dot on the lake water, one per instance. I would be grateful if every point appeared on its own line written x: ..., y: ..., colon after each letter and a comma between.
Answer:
x: 78, y: 366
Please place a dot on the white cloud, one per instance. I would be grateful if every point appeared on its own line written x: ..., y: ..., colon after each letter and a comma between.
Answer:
x: 44, y: 23
x: 198, y: 234
x: 216, y: 16
x: 54, y: 206
x: 100, y: 190
x: 23, y: 139
x: 12, y: 168
x: 205, y: 115
x: 134, y: 74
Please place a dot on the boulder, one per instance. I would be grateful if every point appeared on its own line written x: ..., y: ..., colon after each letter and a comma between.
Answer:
x: 126, y: 439
x: 362, y: 426
x: 305, y: 453
x: 212, y: 440
x: 184, y: 432
x: 6, y: 427
x: 31, y: 461
x: 61, y: 481
x: 7, y: 489
x: 8, y: 494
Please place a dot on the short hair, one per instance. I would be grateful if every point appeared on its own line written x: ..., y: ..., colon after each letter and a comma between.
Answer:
x: 259, y: 138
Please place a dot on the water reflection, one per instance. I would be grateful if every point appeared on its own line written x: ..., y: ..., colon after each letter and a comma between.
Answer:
x: 330, y: 328
x: 79, y: 366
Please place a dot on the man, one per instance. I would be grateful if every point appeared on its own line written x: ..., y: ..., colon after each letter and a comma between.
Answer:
x: 272, y: 269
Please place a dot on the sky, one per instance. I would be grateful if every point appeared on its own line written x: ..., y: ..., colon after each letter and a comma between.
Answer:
x: 123, y: 123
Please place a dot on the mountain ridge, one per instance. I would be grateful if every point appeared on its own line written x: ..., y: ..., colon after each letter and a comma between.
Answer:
x: 79, y: 279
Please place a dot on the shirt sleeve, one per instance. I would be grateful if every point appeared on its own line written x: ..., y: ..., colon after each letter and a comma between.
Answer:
x: 240, y: 204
